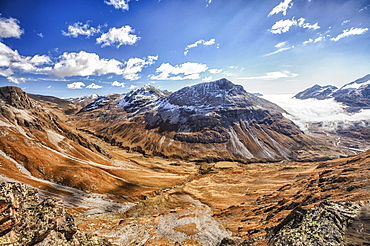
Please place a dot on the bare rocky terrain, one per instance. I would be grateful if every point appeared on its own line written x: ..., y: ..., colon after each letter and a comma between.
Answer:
x: 102, y: 164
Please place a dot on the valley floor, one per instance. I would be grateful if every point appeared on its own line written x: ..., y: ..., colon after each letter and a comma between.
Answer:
x: 232, y: 200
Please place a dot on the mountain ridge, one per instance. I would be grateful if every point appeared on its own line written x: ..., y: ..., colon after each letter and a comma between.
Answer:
x: 214, y: 120
x: 355, y: 95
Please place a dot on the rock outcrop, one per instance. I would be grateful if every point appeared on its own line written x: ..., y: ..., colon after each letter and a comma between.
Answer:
x: 323, y: 225
x: 24, y: 220
x: 16, y: 97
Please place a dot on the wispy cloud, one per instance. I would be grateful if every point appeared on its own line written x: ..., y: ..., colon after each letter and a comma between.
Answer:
x: 94, y: 86
x: 283, y: 26
x: 118, y: 36
x: 273, y: 76
x: 207, y: 79
x: 79, y: 28
x: 16, y: 80
x: 215, y: 70
x: 118, y: 4
x: 280, y: 48
x: 350, y: 32
x: 188, y: 70
x: 281, y: 7
x: 199, y: 42
x: 9, y: 28
x: 316, y: 40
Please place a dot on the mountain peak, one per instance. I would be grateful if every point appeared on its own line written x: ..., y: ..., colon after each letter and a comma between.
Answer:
x: 214, y: 94
x: 140, y: 97
x: 317, y: 92
x: 16, y: 97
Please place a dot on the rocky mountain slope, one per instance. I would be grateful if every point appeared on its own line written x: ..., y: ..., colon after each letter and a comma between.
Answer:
x: 80, y: 172
x: 209, y: 121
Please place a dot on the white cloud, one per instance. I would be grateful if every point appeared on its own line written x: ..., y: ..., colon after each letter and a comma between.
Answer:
x: 274, y: 75
x: 199, y: 42
x: 16, y: 80
x: 228, y: 74
x: 188, y: 70
x: 86, y: 64
x: 319, y: 39
x: 76, y: 85
x: 215, y: 71
x: 70, y: 64
x: 118, y: 84
x: 9, y: 28
x: 281, y: 7
x: 136, y: 65
x: 132, y: 87
x: 118, y: 4
x: 345, y: 22
x: 283, y: 26
x: 79, y: 28
x: 207, y: 79
x: 118, y: 36
x: 94, y: 86
x: 40, y: 35
x: 11, y: 61
x: 350, y: 32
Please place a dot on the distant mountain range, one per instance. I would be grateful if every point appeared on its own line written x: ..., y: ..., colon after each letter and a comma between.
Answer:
x: 355, y: 95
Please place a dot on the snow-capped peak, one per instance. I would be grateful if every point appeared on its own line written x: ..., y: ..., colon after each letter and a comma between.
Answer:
x: 140, y: 97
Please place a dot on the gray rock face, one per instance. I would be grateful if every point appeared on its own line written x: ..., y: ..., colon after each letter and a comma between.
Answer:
x: 16, y: 97
x: 24, y: 220
x: 323, y: 225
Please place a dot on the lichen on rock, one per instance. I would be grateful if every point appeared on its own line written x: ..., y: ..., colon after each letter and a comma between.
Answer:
x: 24, y: 220
x: 323, y: 225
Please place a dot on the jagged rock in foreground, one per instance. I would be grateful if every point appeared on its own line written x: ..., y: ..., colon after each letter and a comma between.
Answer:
x: 325, y: 224
x: 24, y: 220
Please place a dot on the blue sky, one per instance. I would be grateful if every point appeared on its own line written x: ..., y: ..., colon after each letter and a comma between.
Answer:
x: 71, y: 48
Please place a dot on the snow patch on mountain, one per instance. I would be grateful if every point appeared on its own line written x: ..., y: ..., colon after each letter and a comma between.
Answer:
x: 140, y: 97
